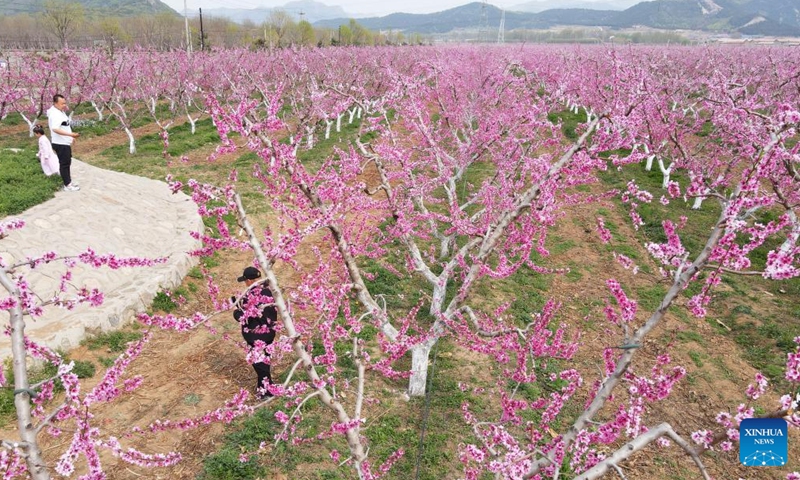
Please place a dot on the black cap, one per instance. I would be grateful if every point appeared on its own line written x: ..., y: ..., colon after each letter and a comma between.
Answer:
x: 250, y: 273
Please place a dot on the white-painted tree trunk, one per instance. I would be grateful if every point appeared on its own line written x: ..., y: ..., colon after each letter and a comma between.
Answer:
x: 666, y: 171
x: 793, y: 236
x: 98, y: 110
x: 697, y: 202
x: 339, y: 122
x: 352, y: 113
x: 310, y: 137
x: 31, y: 123
x: 418, y: 380
x: 649, y: 165
x: 358, y: 113
x: 328, y: 125
x: 131, y: 141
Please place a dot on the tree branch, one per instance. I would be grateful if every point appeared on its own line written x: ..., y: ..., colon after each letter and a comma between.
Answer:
x: 639, y: 443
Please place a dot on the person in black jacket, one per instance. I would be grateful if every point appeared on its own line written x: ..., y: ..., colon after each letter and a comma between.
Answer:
x: 260, y: 326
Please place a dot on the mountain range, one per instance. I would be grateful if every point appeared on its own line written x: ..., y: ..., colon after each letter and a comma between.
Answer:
x: 121, y: 8
x: 748, y: 17
x: 536, y: 6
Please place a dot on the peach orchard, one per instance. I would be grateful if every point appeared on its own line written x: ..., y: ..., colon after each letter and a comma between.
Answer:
x: 456, y: 176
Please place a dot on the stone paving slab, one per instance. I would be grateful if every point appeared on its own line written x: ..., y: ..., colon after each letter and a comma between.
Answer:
x: 116, y: 213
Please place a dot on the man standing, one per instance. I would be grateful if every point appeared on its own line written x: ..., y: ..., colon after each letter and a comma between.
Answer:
x: 62, y: 138
x: 258, y: 324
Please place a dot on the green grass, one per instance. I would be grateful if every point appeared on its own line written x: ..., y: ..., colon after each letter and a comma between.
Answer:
x: 697, y: 358
x: 691, y: 336
x: 244, y: 436
x: 569, y: 121
x: 166, y: 301
x: 148, y: 160
x: 13, y: 118
x: 22, y: 182
x: 392, y: 426
x: 115, y: 341
x: 765, y: 343
x: 38, y: 373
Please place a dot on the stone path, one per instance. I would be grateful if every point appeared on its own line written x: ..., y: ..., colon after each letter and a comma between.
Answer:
x: 112, y: 213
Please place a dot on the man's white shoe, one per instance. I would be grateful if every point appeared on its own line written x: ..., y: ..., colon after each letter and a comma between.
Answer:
x: 71, y: 188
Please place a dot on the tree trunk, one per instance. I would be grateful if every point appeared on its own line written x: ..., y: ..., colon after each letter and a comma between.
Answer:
x: 131, y: 141
x: 31, y: 123
x: 649, y: 165
x: 328, y: 124
x: 98, y: 110
x: 666, y: 171
x: 27, y: 431
x: 310, y: 137
x: 419, y: 367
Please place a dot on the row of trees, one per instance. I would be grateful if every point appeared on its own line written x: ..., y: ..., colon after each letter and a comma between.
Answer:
x: 456, y: 178
x: 63, y: 24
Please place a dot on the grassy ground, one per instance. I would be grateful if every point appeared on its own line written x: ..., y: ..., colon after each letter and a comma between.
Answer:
x: 761, y: 316
x: 22, y: 182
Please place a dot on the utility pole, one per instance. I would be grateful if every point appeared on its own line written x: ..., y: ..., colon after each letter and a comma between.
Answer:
x: 202, y: 34
x: 483, y: 27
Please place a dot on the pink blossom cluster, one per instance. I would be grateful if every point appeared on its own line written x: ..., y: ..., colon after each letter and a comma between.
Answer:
x: 626, y: 262
x: 754, y: 391
x: 627, y: 307
x: 605, y: 234
x: 671, y: 253
x: 7, y: 226
x: 12, y: 464
x: 89, y: 257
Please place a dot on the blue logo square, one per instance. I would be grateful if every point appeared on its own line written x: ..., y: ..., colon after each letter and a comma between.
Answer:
x: 763, y: 442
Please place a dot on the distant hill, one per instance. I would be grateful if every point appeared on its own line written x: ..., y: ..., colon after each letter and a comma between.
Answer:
x: 311, y: 11
x: 122, y: 8
x: 749, y: 17
x: 537, y: 6
x: 466, y: 16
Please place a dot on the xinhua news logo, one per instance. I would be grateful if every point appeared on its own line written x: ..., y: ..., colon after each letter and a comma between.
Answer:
x: 763, y: 442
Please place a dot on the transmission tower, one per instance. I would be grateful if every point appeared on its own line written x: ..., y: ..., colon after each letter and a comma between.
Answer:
x: 501, y: 34
x: 483, y: 27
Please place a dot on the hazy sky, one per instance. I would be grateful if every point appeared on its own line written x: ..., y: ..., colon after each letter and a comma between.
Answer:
x: 356, y: 7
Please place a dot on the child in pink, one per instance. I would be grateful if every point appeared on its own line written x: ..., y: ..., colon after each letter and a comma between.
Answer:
x: 46, y: 154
